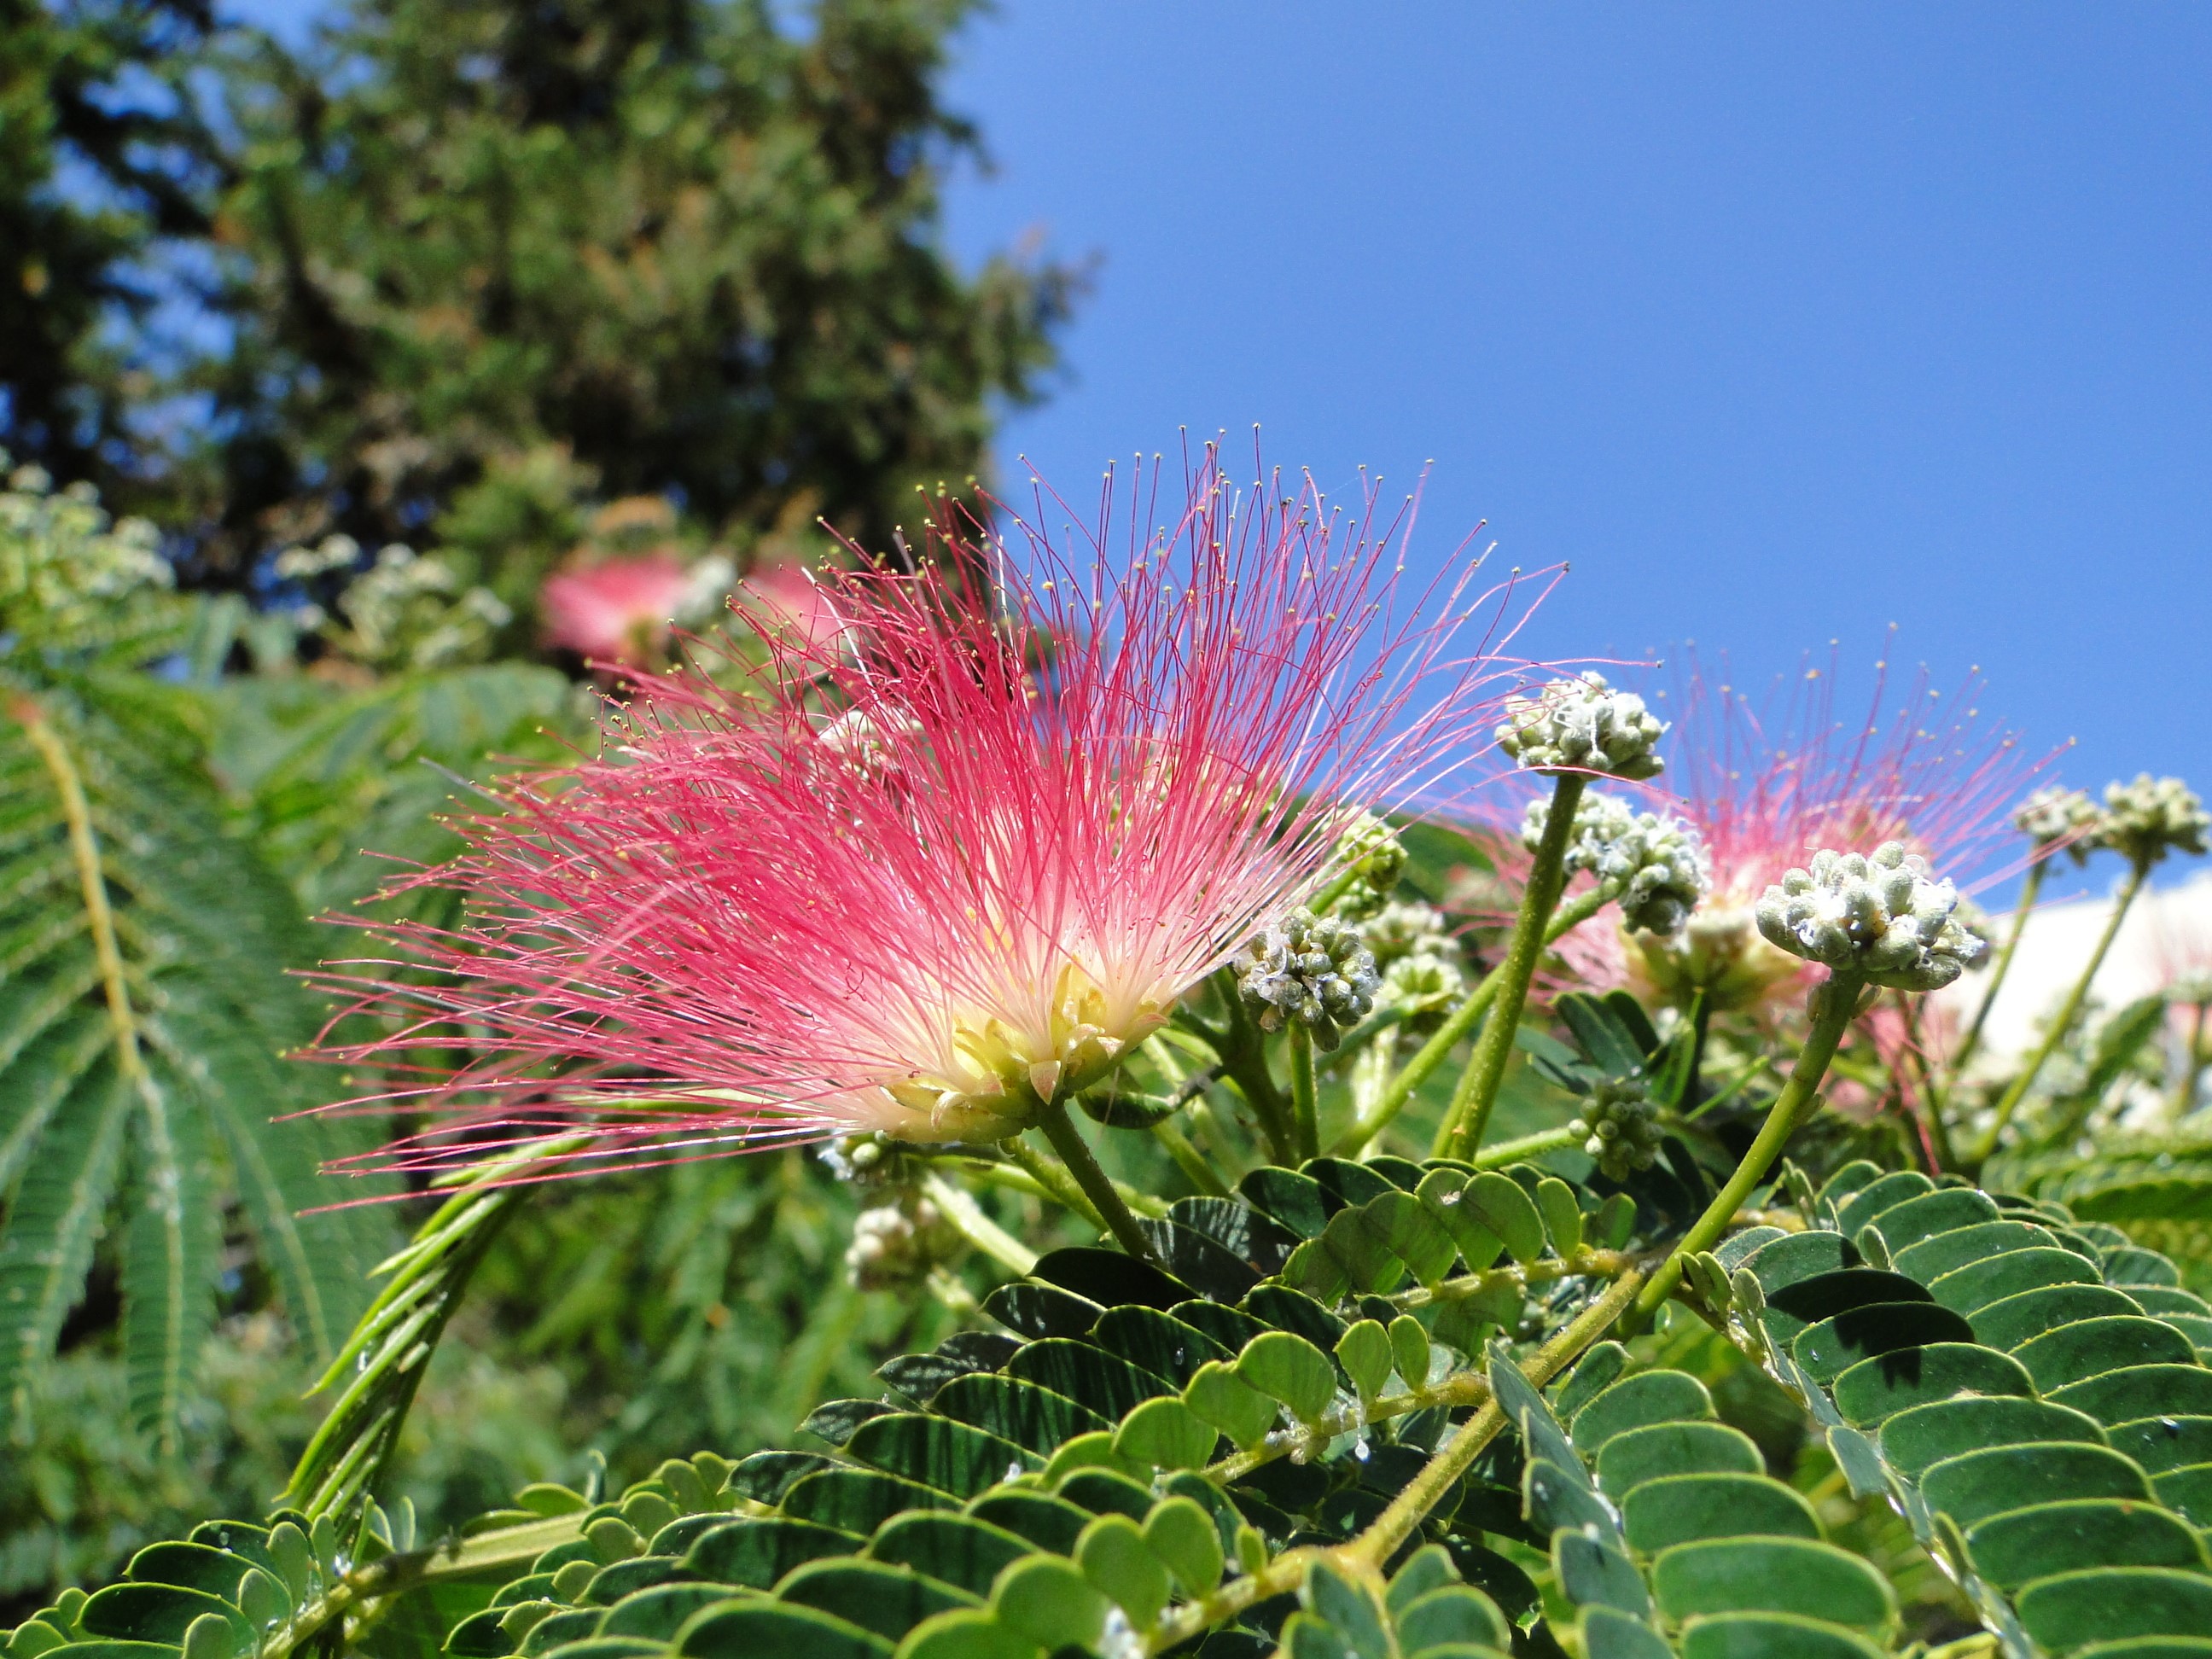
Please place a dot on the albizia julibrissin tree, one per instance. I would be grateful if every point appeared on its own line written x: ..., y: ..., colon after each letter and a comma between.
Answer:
x: 930, y: 866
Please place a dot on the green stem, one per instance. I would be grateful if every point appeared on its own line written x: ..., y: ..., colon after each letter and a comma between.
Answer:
x: 1244, y: 1058
x: 958, y: 1205
x: 1438, y: 1049
x: 1701, y: 1019
x: 1461, y: 1132
x: 1832, y: 1004
x: 343, y: 1612
x: 1512, y: 1152
x: 1365, y: 1554
x: 1968, y: 1044
x: 1931, y: 1103
x: 1055, y: 1182
x: 1305, y: 1094
x: 2009, y: 1102
x: 1188, y: 1158
x: 2192, y: 1069
x: 1426, y: 1489
x: 1075, y: 1152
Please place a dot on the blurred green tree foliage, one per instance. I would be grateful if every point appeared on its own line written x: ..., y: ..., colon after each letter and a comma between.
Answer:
x: 103, y: 161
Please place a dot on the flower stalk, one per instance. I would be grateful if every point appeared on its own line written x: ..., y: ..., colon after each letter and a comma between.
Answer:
x: 1833, y: 1002
x: 1104, y: 1198
x: 2063, y: 1022
x: 1462, y: 1019
x: 1366, y: 1553
x: 2030, y: 890
x: 1462, y: 1129
x: 1305, y: 1094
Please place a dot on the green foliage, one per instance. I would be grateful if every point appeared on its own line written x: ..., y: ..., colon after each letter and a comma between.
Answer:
x: 95, y: 89
x: 1019, y: 1489
x: 144, y: 997
x: 490, y: 258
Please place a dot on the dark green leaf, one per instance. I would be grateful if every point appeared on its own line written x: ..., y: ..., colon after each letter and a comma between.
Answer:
x: 1771, y: 1575
x: 956, y: 1549
x: 2107, y: 1603
x: 1974, y: 1485
x: 1637, y: 1402
x: 949, y: 1457
x: 876, y: 1596
x: 1687, y: 1507
x: 748, y: 1629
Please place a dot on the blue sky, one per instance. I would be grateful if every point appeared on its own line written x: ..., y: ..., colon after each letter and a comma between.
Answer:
x: 1782, y: 324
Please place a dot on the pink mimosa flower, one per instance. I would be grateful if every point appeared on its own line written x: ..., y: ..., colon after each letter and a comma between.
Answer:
x: 1766, y: 789
x: 938, y: 868
x: 617, y: 611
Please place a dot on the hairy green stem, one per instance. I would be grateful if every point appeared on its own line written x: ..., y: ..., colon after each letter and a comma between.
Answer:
x: 1463, y: 1126
x: 1305, y: 1093
x: 1188, y: 1158
x: 2029, y: 888
x: 349, y: 1606
x: 1931, y: 1101
x: 1244, y: 1058
x: 1438, y: 1049
x: 958, y: 1205
x: 1105, y: 1199
x: 2062, y: 1023
x: 1512, y: 1152
x: 1833, y: 1002
x: 1426, y: 1489
x: 1054, y: 1181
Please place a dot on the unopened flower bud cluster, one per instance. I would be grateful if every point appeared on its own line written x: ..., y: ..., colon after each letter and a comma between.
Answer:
x: 1370, y: 853
x: 895, y: 1244
x: 1582, y: 725
x: 1620, y: 1127
x: 1655, y: 866
x: 1882, y: 919
x: 2145, y: 820
x: 2055, y: 815
x: 1316, y: 971
x: 1420, y: 965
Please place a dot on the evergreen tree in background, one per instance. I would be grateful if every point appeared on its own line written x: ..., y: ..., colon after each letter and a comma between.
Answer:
x: 461, y: 266
x: 104, y: 161
x: 490, y: 256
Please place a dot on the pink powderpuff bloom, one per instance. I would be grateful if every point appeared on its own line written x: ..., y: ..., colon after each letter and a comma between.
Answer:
x: 1765, y: 789
x: 946, y: 864
x: 786, y: 595
x: 618, y: 611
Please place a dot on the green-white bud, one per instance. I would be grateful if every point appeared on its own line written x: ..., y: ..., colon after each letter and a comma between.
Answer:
x: 1421, y: 967
x: 2145, y: 820
x: 1655, y: 866
x: 1582, y: 725
x: 1371, y: 854
x: 1882, y: 919
x: 1619, y: 1128
x: 895, y: 1245
x: 2055, y: 817
x: 1316, y: 971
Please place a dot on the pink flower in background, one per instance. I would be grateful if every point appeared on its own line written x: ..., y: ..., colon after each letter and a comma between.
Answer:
x: 617, y: 611
x: 1766, y: 787
x: 787, y: 596
x: 941, y: 866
